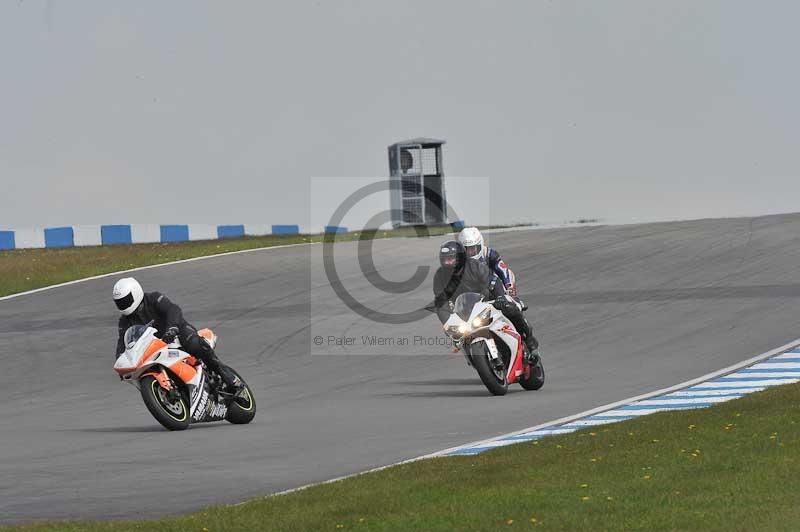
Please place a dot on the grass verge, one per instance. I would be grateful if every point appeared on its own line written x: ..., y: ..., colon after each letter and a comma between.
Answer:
x: 28, y: 269
x: 734, y: 466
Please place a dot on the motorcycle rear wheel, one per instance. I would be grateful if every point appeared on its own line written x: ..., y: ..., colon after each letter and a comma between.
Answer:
x: 241, y: 410
x: 535, y: 378
x: 173, y: 415
x: 481, y: 362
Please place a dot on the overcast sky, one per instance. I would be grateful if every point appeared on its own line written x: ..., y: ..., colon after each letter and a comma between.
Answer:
x: 194, y: 111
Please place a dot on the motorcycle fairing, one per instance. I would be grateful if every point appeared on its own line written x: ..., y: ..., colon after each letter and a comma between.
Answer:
x: 514, y: 341
x: 499, y: 327
x: 150, y: 355
x: 149, y: 351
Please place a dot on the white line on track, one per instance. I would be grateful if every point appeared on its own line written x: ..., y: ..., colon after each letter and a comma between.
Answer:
x: 608, y: 410
x: 267, y: 248
x: 541, y: 429
x: 151, y: 267
x: 553, y: 427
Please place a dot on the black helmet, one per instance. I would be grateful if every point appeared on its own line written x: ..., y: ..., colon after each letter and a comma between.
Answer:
x: 452, y: 255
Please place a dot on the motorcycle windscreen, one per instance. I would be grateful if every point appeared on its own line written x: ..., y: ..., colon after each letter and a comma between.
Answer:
x: 464, y: 304
x: 133, y: 334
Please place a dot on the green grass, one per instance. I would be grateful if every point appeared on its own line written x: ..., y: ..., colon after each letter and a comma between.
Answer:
x: 732, y: 467
x: 28, y: 269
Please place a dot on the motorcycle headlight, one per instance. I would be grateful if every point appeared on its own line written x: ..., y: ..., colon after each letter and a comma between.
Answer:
x: 483, y: 319
x: 456, y: 330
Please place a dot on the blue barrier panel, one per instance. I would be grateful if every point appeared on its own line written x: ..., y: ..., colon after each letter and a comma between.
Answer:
x: 7, y: 240
x: 230, y: 231
x: 458, y: 225
x: 59, y: 237
x: 335, y: 229
x: 285, y: 229
x: 115, y: 234
x: 174, y: 233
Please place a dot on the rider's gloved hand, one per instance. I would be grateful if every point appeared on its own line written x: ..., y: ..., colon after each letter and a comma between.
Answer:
x: 456, y: 345
x: 169, y: 335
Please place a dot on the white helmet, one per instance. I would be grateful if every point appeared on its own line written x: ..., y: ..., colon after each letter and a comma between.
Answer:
x: 128, y: 295
x: 472, y: 240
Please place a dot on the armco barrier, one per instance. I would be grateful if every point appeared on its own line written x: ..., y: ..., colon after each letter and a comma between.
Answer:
x: 105, y: 235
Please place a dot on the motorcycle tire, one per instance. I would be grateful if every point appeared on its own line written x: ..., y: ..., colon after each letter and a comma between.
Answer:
x: 173, y: 415
x: 535, y: 378
x: 241, y: 410
x: 480, y: 361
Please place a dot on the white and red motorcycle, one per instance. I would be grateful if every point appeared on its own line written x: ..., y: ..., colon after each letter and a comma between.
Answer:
x: 176, y: 387
x: 492, y: 345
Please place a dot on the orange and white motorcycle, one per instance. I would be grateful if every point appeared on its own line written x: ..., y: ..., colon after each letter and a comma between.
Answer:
x: 177, y: 388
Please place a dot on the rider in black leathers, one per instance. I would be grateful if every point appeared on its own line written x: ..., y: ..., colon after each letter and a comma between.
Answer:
x: 458, y: 275
x: 168, y: 318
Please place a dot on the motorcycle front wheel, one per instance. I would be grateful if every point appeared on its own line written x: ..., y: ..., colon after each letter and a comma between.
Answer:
x: 494, y: 379
x: 172, y: 413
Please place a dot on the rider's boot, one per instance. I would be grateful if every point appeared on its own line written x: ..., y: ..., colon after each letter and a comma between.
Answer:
x: 231, y: 382
x: 531, y: 343
x: 533, y: 350
x: 228, y: 378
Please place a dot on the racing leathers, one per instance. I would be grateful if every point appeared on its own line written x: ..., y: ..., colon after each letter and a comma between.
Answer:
x: 167, y: 318
x: 475, y: 276
x: 496, y: 263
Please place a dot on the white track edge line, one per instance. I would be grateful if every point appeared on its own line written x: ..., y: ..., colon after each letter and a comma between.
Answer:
x: 238, y: 252
x: 623, y: 402
x: 542, y: 227
x: 560, y: 421
x: 150, y: 267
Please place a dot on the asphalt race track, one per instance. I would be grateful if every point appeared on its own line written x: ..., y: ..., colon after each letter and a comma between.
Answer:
x: 620, y: 310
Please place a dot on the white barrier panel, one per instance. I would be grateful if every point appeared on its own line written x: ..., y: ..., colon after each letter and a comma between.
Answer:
x: 202, y: 232
x: 308, y: 230
x: 257, y: 229
x: 29, y: 238
x: 87, y: 235
x: 145, y: 233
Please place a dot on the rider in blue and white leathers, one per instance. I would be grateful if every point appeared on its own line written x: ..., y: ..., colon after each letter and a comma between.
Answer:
x: 472, y: 240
